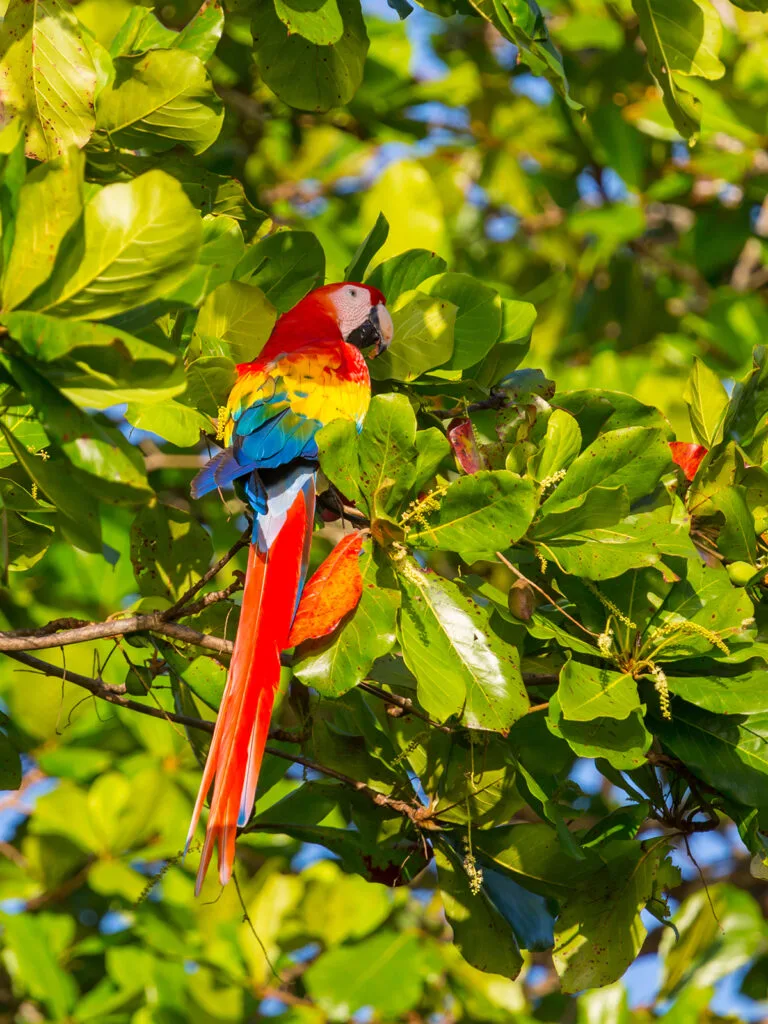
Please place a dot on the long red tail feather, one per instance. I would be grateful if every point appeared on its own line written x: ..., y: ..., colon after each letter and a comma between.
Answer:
x: 272, y: 586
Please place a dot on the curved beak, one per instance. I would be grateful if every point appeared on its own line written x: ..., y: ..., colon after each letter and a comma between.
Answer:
x: 377, y: 329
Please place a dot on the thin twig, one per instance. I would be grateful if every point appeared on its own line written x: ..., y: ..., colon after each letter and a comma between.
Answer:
x: 175, y: 610
x: 114, y: 694
x: 404, y: 703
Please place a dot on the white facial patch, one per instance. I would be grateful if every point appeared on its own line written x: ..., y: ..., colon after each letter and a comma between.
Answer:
x: 353, y: 305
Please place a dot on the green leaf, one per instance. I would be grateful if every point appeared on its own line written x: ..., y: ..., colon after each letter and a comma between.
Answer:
x: 599, y: 933
x: 559, y: 446
x: 24, y: 426
x: 285, y: 265
x: 741, y: 694
x: 47, y: 338
x: 370, y: 245
x: 337, y: 446
x: 140, y: 239
x: 319, y: 22
x: 75, y: 508
x: 47, y: 76
x: 209, y: 382
x: 522, y: 22
x: 482, y: 935
x: 36, y: 962
x: 334, y: 664
x: 385, y: 451
x: 201, y: 35
x: 158, y: 100
x: 50, y: 202
x: 208, y: 192
x: 303, y: 74
x: 478, y: 320
x: 717, y: 932
x: 170, y: 551
x: 391, y: 983
x: 10, y: 764
x: 111, y: 467
x: 729, y: 752
x: 235, y: 322
x: 621, y: 742
x: 479, y: 676
x: 682, y: 38
x: 606, y: 552
x: 586, y: 693
x: 423, y: 338
x: 221, y: 250
x: 596, y: 509
x: 633, y: 457
x: 533, y: 856
x: 479, y: 515
x: 706, y: 599
x: 405, y: 272
x: 142, y: 30
x: 707, y: 402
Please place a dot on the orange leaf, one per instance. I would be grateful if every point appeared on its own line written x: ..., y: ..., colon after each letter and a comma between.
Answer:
x: 462, y: 439
x: 332, y: 592
x: 687, y: 456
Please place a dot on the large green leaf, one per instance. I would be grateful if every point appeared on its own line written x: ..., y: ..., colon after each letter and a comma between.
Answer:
x: 47, y: 76
x: 478, y: 515
x: 633, y: 457
x: 170, y: 551
x: 478, y: 317
x: 140, y: 238
x: 405, y: 272
x: 320, y: 23
x: 302, y: 73
x: 682, y: 38
x: 606, y: 552
x: 707, y: 402
x: 623, y: 743
x: 235, y: 322
x: 479, y: 674
x: 586, y: 693
x: 158, y: 100
x: 50, y: 201
x: 111, y: 467
x: 730, y: 752
x: 285, y: 265
x: 423, y: 337
x: 340, y: 661
x: 29, y: 942
x: 75, y: 507
x: 481, y: 933
x: 599, y: 932
x: 392, y: 982
x: 742, y: 694
x: 716, y: 932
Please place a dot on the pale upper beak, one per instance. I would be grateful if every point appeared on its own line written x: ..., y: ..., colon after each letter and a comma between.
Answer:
x: 376, y: 330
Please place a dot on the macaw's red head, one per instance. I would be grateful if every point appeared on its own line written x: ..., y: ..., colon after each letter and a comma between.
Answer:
x: 356, y: 311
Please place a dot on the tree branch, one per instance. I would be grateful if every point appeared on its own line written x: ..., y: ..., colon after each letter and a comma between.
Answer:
x: 114, y: 694
x: 44, y: 639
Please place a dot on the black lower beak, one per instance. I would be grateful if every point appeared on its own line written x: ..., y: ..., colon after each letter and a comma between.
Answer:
x: 368, y: 333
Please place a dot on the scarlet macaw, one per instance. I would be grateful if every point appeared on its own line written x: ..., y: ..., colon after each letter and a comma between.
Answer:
x: 310, y: 372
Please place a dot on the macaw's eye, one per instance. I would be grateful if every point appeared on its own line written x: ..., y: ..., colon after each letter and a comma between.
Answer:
x: 353, y: 293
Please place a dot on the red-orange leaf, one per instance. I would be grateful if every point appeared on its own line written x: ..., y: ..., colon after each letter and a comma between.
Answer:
x: 462, y: 438
x: 687, y: 456
x: 331, y: 593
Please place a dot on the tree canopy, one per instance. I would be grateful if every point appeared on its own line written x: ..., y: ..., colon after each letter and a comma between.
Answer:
x: 535, y: 753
